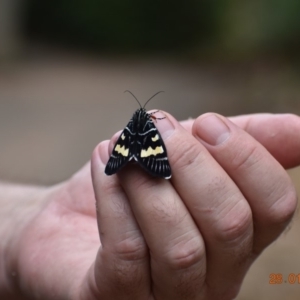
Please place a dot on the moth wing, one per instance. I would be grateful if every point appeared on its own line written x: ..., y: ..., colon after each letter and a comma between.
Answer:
x: 152, y: 152
x: 122, y: 151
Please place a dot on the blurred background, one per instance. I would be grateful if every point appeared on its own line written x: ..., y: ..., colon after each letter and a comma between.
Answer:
x: 65, y: 64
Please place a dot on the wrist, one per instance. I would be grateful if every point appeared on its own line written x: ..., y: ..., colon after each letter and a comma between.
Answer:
x: 19, y: 205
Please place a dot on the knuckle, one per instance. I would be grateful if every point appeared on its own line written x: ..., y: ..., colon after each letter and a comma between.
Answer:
x: 186, y: 255
x: 284, y: 208
x: 131, y: 249
x: 245, y: 157
x: 234, y: 225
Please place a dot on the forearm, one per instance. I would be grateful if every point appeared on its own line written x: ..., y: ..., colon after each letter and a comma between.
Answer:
x: 18, y: 205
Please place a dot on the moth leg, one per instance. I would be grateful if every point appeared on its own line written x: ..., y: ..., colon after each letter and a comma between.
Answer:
x: 155, y: 118
x: 154, y: 112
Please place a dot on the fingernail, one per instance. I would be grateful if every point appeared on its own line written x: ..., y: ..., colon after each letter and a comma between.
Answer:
x: 212, y: 130
x: 103, y: 152
x: 164, y: 126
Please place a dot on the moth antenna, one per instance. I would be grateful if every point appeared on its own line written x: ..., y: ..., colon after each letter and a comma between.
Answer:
x: 152, y: 97
x: 134, y: 98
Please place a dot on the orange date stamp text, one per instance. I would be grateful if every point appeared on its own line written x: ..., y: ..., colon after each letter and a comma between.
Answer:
x: 279, y: 278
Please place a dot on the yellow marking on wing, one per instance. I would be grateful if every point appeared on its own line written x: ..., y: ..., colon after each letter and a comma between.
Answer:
x: 122, y: 150
x: 150, y: 151
x: 123, y: 136
x: 154, y: 139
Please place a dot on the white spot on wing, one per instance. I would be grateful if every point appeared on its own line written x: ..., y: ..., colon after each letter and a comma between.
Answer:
x: 156, y: 138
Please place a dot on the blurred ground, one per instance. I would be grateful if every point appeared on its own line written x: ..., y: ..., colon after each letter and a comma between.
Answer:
x: 55, y: 106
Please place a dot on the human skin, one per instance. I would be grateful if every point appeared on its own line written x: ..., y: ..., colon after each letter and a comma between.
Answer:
x: 191, y: 237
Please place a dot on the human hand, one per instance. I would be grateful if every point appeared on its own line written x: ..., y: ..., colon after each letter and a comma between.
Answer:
x: 193, y: 237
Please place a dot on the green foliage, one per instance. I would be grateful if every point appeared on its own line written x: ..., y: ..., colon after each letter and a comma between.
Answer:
x: 118, y: 24
x: 128, y: 25
x: 258, y: 25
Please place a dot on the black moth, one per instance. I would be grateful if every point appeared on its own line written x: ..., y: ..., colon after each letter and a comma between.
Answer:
x: 141, y: 141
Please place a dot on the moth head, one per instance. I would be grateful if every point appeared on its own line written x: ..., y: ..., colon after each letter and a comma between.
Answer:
x: 143, y: 107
